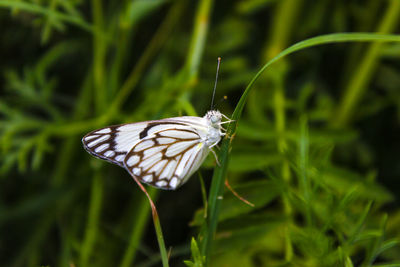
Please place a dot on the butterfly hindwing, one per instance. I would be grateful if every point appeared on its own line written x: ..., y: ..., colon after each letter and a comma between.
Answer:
x: 168, y: 155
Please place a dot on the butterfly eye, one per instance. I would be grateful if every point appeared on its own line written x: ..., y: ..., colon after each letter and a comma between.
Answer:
x: 214, y: 119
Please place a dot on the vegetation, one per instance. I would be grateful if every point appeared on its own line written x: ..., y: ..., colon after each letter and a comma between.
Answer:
x: 313, y: 87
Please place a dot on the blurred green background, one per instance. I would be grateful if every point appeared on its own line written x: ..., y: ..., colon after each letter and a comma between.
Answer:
x: 316, y: 149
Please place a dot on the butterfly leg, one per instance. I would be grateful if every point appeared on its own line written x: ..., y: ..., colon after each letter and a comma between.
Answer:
x: 226, y: 117
x: 229, y: 121
x: 224, y: 122
x: 216, y: 143
x: 227, y: 135
x: 216, y: 157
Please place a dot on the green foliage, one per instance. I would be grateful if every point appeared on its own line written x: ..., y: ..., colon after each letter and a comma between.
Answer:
x: 313, y: 145
x: 198, y: 259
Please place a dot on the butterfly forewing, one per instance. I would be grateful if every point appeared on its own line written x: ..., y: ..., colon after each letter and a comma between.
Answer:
x: 162, y: 153
x: 112, y: 143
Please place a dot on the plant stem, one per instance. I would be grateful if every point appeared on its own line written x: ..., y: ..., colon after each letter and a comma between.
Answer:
x: 99, y: 52
x: 142, y: 214
x: 93, y: 218
x: 363, y: 73
x: 199, y: 38
x: 303, y: 168
x: 47, y: 28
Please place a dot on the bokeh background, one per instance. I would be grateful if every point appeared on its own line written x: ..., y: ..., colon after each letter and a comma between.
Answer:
x: 316, y: 149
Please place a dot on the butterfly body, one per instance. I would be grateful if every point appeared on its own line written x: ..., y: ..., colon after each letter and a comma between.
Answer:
x: 163, y: 153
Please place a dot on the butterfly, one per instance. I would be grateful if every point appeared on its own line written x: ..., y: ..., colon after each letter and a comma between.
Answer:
x: 162, y: 153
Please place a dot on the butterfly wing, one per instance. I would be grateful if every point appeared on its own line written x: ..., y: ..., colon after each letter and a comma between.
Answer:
x: 170, y: 153
x: 112, y: 143
x: 162, y: 153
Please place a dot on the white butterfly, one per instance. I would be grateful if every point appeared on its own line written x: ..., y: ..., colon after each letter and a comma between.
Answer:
x: 162, y: 153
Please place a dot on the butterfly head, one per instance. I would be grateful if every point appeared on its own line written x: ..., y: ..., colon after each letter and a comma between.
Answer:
x: 214, y: 118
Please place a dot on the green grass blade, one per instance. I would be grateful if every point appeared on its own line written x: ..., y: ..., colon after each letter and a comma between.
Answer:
x: 160, y: 239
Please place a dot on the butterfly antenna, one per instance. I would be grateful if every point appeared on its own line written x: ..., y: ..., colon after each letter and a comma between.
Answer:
x: 215, y: 84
